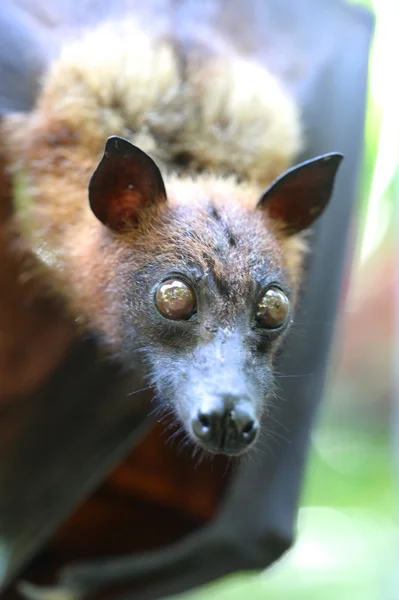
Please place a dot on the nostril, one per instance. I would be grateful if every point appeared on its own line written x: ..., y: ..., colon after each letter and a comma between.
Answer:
x: 204, y: 420
x: 248, y: 428
x: 202, y: 426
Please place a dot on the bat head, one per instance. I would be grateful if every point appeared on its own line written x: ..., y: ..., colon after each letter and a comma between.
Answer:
x: 205, y: 283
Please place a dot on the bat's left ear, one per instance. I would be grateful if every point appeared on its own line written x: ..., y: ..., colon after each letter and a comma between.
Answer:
x: 301, y: 194
x: 125, y: 184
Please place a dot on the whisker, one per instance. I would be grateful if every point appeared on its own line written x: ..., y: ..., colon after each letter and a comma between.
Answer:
x: 175, y: 434
x: 195, y: 451
x: 183, y: 444
x: 144, y: 389
x: 293, y: 376
x: 229, y: 462
x: 167, y: 419
x: 203, y: 457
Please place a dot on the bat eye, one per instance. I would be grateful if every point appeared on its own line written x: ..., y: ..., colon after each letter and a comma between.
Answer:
x: 175, y: 300
x: 273, y: 309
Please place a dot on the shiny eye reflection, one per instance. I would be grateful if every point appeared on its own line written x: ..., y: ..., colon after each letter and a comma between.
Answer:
x: 273, y: 309
x: 175, y: 300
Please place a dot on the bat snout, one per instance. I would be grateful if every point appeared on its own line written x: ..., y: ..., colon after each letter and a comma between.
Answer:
x: 225, y: 424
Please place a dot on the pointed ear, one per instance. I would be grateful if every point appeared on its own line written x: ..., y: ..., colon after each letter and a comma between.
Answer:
x: 301, y: 194
x: 125, y: 182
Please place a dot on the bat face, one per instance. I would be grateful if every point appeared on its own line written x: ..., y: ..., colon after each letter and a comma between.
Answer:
x: 202, y: 281
x: 206, y: 312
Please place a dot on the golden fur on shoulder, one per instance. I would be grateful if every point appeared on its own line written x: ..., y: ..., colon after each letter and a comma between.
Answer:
x: 223, y: 114
x: 222, y: 124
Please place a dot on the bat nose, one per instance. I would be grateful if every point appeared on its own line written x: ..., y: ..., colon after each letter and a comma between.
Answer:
x: 228, y: 425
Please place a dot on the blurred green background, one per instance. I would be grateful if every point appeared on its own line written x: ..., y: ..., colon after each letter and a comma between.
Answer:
x: 347, y: 543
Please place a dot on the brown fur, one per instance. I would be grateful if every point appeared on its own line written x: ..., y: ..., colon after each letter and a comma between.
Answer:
x: 223, y: 130
x: 31, y: 321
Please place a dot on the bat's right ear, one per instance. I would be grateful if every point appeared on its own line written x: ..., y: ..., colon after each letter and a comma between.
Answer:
x: 299, y: 196
x: 125, y: 182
